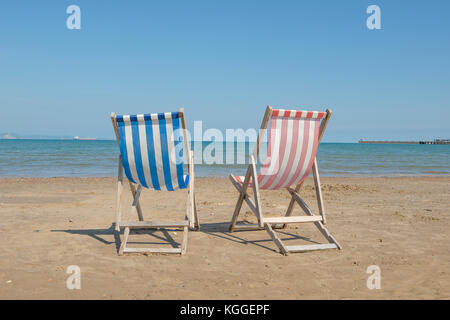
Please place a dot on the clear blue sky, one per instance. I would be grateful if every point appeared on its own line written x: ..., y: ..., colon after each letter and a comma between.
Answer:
x: 224, y: 61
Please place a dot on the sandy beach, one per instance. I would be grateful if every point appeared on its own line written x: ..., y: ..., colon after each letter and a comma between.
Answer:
x: 398, y: 224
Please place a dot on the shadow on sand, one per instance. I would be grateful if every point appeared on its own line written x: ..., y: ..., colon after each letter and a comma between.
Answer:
x: 219, y: 230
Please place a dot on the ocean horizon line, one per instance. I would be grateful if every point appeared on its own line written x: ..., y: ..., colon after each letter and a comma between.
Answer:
x: 92, y: 139
x: 212, y: 176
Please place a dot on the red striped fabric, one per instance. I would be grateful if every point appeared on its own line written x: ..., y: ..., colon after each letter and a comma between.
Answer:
x: 298, y: 114
x: 292, y: 148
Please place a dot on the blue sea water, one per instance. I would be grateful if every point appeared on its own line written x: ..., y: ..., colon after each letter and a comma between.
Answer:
x: 72, y: 158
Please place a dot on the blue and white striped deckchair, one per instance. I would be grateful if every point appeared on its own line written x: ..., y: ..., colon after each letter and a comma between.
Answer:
x: 153, y: 148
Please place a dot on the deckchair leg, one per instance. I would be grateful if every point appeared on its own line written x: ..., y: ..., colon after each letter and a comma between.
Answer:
x: 119, y: 194
x: 190, y: 211
x: 185, y: 238
x: 134, y: 207
x: 190, y: 207
x: 318, y: 191
x: 197, y: 221
x: 275, y: 239
x: 256, y: 192
x: 137, y: 205
x: 124, y: 241
x: 237, y: 210
x: 193, y: 218
x: 242, y: 196
x: 290, y: 207
x: 327, y: 234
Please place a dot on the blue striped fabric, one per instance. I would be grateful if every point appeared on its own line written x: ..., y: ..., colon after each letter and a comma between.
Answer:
x: 152, y: 150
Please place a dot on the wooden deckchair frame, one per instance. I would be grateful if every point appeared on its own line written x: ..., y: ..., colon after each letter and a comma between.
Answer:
x: 269, y: 224
x: 191, y: 219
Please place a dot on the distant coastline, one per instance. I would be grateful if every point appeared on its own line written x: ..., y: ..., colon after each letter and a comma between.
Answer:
x: 12, y: 136
x: 436, y: 141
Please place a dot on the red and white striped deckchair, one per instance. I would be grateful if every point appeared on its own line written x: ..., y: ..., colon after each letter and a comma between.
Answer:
x: 294, y: 137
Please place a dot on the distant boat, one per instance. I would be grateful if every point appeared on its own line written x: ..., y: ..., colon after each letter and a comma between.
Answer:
x: 78, y: 138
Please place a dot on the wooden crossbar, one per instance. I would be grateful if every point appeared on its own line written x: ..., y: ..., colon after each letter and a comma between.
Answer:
x: 152, y: 224
x: 311, y: 247
x: 295, y: 219
x: 252, y: 227
x: 153, y: 250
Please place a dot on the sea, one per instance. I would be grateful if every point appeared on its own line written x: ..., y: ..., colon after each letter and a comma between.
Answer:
x: 98, y: 158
